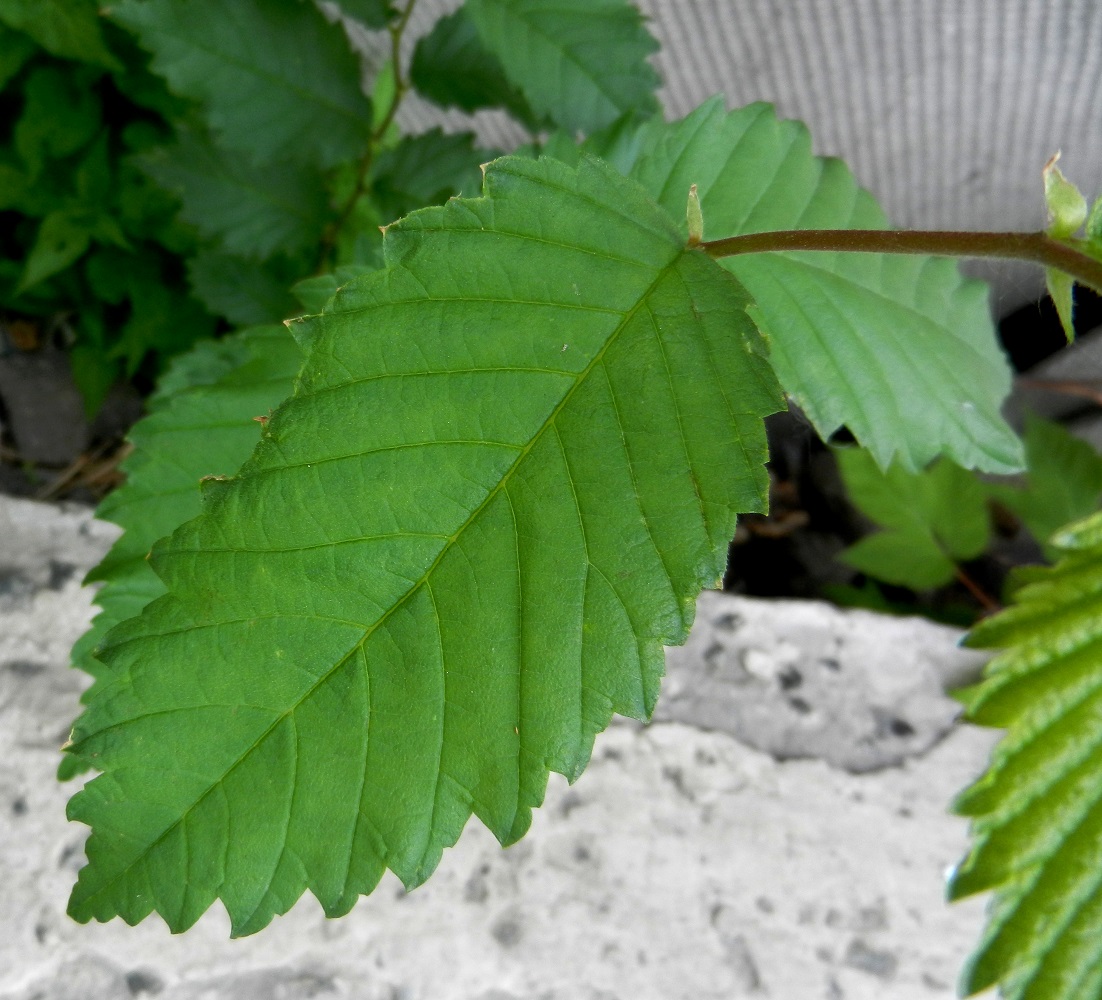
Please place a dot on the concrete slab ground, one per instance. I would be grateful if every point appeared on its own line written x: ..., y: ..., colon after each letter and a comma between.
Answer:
x: 780, y: 831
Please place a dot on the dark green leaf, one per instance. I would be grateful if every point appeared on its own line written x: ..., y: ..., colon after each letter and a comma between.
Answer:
x: 15, y: 49
x: 201, y: 423
x: 1064, y: 480
x: 251, y: 211
x: 162, y: 319
x: 1037, y: 825
x: 60, y: 116
x: 543, y: 393
x: 932, y: 519
x: 939, y: 377
x: 66, y: 28
x: 581, y: 63
x: 13, y: 185
x: 62, y: 237
x: 452, y: 67
x: 94, y: 372
x: 277, y: 79
x: 425, y: 170
x: 244, y: 291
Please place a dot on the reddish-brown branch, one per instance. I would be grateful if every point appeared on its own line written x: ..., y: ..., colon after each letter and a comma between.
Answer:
x: 1040, y: 248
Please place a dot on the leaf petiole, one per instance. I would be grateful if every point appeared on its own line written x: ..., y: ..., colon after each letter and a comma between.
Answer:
x: 1066, y: 255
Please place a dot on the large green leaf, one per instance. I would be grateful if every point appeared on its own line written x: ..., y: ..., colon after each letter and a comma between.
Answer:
x: 511, y: 462
x: 581, y: 63
x: 277, y: 79
x: 453, y: 67
x: 251, y: 211
x: 899, y: 349
x: 1037, y: 812
x: 201, y: 424
x: 932, y: 519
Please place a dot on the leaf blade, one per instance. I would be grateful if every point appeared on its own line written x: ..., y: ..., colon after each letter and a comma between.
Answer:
x: 581, y: 63
x: 278, y: 81
x: 931, y: 520
x: 487, y: 483
x: 936, y: 378
x: 201, y: 424
x: 250, y: 211
x: 1036, y: 824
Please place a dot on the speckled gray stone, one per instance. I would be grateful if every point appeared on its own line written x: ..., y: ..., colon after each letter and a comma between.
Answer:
x: 683, y: 864
x: 805, y: 679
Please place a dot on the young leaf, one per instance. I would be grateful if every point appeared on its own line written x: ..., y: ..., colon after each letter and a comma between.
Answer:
x: 66, y: 28
x: 60, y: 115
x: 581, y: 63
x: 1067, y: 211
x: 932, y: 519
x: 200, y: 424
x: 899, y: 349
x: 1067, y: 208
x: 1037, y: 824
x: 544, y: 394
x: 452, y: 67
x: 277, y: 79
x: 1064, y: 480
x: 251, y: 211
x: 1061, y: 289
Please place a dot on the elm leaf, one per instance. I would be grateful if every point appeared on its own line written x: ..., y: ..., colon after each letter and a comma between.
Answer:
x: 899, y: 349
x: 1036, y: 820
x: 278, y: 81
x: 453, y: 68
x: 932, y: 519
x: 251, y: 211
x: 581, y: 63
x: 200, y: 424
x: 511, y: 461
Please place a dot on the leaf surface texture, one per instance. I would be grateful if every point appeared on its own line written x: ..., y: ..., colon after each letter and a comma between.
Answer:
x: 277, y: 80
x: 511, y: 462
x: 899, y: 349
x: 581, y: 63
x: 251, y: 211
x: 931, y: 519
x: 201, y: 424
x: 1037, y: 811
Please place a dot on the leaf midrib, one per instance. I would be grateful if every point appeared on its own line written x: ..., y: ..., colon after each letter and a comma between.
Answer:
x: 491, y: 494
